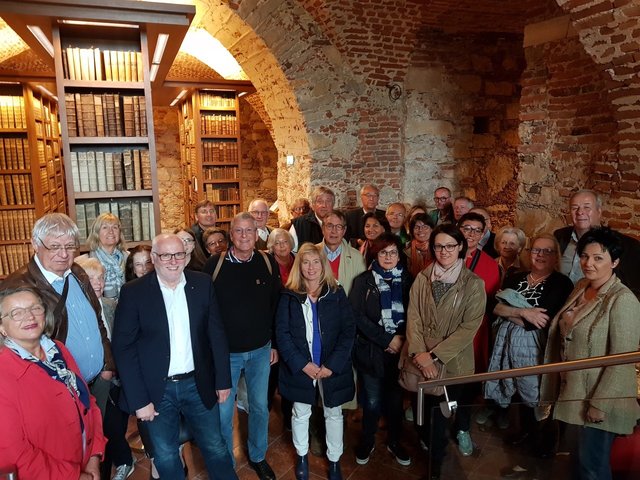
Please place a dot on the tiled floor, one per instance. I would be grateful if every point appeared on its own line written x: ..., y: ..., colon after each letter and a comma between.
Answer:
x: 490, y: 456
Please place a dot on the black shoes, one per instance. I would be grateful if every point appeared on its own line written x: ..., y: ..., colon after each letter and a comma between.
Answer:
x: 302, y: 467
x: 263, y: 470
x: 363, y: 452
x: 400, y: 454
x: 334, y: 471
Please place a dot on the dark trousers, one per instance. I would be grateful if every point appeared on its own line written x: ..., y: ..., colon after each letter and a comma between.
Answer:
x: 117, y: 451
x: 590, y: 451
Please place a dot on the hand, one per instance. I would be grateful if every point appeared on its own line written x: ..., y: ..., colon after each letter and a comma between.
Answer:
x: 535, y: 316
x: 274, y: 357
x: 324, y: 372
x: 107, y: 375
x: 311, y: 369
x: 426, y: 365
x: 223, y: 395
x: 92, y: 470
x: 595, y: 415
x: 395, y: 345
x: 147, y: 413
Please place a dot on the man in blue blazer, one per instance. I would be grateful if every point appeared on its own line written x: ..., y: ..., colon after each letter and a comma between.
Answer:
x: 172, y: 356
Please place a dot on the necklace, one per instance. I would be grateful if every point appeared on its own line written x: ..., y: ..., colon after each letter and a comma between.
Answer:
x: 534, y: 280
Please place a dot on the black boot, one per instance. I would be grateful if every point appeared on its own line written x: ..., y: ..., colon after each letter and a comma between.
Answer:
x: 334, y: 471
x: 302, y: 467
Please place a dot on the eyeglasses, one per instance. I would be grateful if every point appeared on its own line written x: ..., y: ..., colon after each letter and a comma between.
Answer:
x: 188, y: 240
x: 246, y: 231
x: 216, y: 243
x: 396, y: 214
x: 19, y: 314
x: 299, y: 209
x: 388, y: 253
x: 370, y: 195
x: 259, y: 213
x: 450, y: 247
x: 59, y: 248
x: 142, y: 264
x: 166, y: 257
x: 281, y: 243
x: 542, y: 251
x: 441, y: 199
x: 334, y: 226
x: 206, y: 211
x: 472, y: 230
x: 422, y: 227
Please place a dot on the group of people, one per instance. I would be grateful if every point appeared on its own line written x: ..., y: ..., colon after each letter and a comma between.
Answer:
x: 324, y: 311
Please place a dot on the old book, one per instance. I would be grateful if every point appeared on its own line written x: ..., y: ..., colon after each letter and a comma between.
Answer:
x: 133, y: 66
x: 4, y: 199
x: 139, y: 66
x: 127, y: 66
x: 144, y: 218
x: 97, y: 102
x: 136, y: 115
x: 91, y: 214
x: 81, y: 221
x: 108, y: 166
x: 127, y: 165
x: 17, y: 194
x: 97, y: 60
x: 75, y: 171
x: 145, y: 163
x: 104, y: 207
x: 77, y: 68
x: 93, y: 171
x: 89, y: 55
x: 114, y: 208
x: 122, y: 68
x: 88, y: 117
x: 118, y: 172
x: 118, y: 114
x: 137, y: 169
x: 136, y: 221
x: 115, y: 74
x: 83, y: 169
x: 102, y: 172
x: 126, y: 219
x: 84, y: 64
x: 20, y: 158
x: 106, y: 56
x: 70, y: 105
x: 128, y: 116
x: 142, y: 112
x: 67, y: 64
x: 152, y: 220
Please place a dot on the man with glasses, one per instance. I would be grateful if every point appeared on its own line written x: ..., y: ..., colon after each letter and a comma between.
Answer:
x: 396, y: 214
x: 247, y: 283
x: 443, y: 211
x: 205, y: 215
x: 308, y: 228
x: 486, y: 243
x: 173, y: 359
x: 369, y: 195
x: 259, y: 210
x: 67, y: 291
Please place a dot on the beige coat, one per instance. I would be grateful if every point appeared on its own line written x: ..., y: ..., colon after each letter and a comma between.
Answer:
x: 608, y: 324
x: 451, y: 324
x: 351, y: 265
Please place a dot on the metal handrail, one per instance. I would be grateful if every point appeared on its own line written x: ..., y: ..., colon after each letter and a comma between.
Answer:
x: 584, y: 363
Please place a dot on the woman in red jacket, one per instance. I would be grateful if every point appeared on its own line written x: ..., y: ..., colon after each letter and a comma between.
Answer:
x: 50, y: 425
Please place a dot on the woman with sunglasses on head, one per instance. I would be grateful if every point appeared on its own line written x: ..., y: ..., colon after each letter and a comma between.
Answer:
x: 446, y: 306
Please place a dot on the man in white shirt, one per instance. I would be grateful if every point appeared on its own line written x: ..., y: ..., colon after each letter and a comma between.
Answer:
x: 259, y: 210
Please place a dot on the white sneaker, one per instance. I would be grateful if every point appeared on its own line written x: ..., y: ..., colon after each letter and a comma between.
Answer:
x: 123, y: 471
x: 154, y: 471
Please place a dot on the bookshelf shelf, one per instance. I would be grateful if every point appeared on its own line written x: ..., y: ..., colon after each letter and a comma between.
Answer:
x: 18, y: 241
x: 210, y: 152
x: 107, y: 122
x: 12, y: 171
x: 24, y: 206
x: 14, y: 130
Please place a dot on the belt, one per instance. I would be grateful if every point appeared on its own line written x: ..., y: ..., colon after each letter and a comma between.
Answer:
x: 180, y: 376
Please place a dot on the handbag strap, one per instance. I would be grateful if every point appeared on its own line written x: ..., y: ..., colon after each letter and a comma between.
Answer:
x: 57, y: 311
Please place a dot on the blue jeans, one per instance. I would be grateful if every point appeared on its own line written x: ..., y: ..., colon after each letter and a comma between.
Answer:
x: 204, y: 425
x: 256, y: 366
x: 591, y: 452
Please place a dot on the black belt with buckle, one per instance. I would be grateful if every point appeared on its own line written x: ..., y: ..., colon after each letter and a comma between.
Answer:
x: 180, y: 376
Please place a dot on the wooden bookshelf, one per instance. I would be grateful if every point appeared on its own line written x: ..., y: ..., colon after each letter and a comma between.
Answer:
x: 210, y: 152
x: 103, y: 82
x: 31, y: 168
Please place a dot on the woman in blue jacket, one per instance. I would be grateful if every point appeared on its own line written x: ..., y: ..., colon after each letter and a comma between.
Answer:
x: 315, y: 332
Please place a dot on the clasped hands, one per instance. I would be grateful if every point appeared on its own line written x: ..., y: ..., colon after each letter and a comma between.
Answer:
x: 426, y: 365
x: 315, y: 372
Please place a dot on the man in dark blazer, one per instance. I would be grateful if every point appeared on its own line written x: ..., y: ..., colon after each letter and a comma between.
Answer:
x: 586, y: 212
x: 172, y: 355
x: 369, y: 195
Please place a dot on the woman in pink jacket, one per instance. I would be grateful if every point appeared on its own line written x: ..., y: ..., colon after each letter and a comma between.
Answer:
x: 50, y: 425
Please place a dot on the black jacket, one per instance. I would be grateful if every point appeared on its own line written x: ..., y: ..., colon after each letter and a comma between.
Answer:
x: 308, y: 229
x: 355, y: 222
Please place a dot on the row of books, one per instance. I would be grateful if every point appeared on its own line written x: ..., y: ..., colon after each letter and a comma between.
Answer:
x: 217, y: 100
x: 16, y: 224
x: 136, y: 216
x: 219, y: 124
x: 227, y: 211
x: 15, y: 190
x: 106, y: 115
x: 99, y: 171
x: 220, y: 152
x: 220, y: 173
x: 12, y: 112
x: 95, y: 64
x: 225, y: 194
x: 14, y: 154
x: 12, y: 257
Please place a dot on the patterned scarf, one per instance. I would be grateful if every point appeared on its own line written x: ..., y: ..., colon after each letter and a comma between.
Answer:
x: 113, y: 270
x: 389, y: 283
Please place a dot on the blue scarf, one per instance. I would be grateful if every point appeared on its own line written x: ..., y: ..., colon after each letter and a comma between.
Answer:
x: 389, y: 283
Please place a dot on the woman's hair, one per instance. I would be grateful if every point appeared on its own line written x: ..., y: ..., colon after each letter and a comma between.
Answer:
x: 381, y: 220
x: 454, y: 232
x: 48, y: 314
x: 296, y: 280
x: 556, y: 247
x: 279, y: 232
x: 522, y: 238
x: 610, y: 240
x: 90, y: 264
x: 384, y: 240
x: 420, y: 217
x: 198, y: 258
x: 129, y: 271
x: 414, y: 208
x: 93, y: 240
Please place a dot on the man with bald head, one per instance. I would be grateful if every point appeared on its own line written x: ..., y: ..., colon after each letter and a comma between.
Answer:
x: 586, y: 212
x: 171, y: 350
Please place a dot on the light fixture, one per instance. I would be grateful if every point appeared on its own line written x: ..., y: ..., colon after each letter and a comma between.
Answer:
x: 161, y: 44
x: 177, y: 99
x: 42, y: 38
x: 98, y: 24
x: 47, y: 92
x: 290, y: 160
x: 241, y: 94
x: 154, y: 71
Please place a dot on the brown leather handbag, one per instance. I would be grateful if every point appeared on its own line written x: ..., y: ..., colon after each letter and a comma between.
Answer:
x: 410, y: 375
